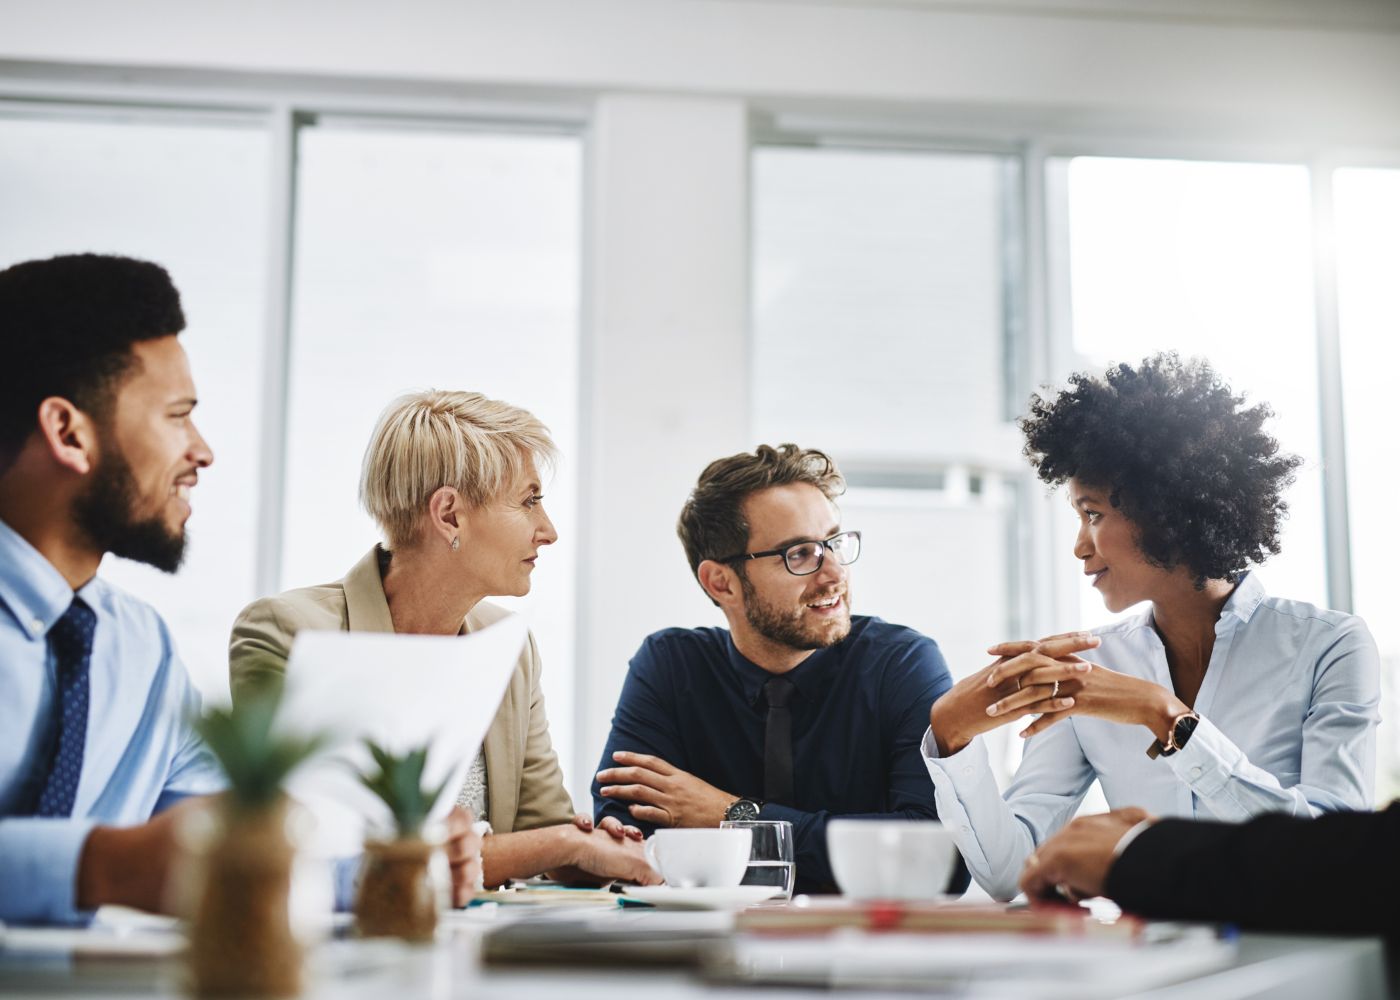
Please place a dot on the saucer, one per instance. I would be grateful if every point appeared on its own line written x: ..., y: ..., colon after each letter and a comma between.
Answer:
x: 729, y: 897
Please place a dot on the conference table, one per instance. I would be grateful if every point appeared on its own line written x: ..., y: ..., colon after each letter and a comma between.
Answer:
x: 522, y: 953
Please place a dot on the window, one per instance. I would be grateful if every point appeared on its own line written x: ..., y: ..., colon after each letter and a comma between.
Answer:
x: 1368, y: 261
x: 190, y: 195
x: 444, y: 260
x: 1211, y: 259
x: 882, y: 334
x: 424, y: 258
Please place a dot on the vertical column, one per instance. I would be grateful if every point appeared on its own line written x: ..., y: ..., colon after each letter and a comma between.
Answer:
x: 272, y: 429
x: 664, y: 370
x: 1329, y: 373
x: 1047, y: 587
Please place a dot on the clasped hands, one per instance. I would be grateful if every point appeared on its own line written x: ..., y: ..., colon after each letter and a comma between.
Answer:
x: 1046, y: 678
x: 661, y: 793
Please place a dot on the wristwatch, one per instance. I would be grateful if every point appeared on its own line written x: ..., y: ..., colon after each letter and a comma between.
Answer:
x: 1177, y: 736
x: 743, y: 809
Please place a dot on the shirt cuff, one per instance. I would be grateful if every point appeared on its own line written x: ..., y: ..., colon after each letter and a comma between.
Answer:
x: 346, y: 875
x: 39, y: 870
x: 967, y: 768
x: 1130, y: 836
x: 1207, y: 761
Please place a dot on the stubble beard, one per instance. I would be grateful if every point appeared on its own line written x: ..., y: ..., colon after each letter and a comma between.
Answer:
x: 104, y: 513
x: 789, y: 630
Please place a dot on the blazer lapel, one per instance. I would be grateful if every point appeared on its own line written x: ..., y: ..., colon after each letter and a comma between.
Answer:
x: 366, y: 608
x: 502, y: 748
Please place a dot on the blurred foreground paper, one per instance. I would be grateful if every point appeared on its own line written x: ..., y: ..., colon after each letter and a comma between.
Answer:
x: 402, y: 691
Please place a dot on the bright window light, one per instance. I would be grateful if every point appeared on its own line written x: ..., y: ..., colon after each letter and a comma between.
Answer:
x: 1368, y: 264
x: 445, y: 260
x: 880, y: 335
x: 1210, y: 259
x: 191, y: 196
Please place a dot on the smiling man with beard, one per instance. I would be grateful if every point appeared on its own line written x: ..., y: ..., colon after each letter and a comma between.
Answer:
x: 98, y: 453
x: 798, y: 711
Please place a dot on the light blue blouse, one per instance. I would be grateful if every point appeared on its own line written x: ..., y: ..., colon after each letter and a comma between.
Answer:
x: 1288, y: 724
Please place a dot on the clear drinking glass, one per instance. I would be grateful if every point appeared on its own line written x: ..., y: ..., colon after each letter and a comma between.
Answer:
x: 770, y: 857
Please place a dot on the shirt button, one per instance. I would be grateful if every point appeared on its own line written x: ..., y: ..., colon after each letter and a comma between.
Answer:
x: 1195, y: 772
x: 964, y: 828
x: 968, y: 770
x: 37, y: 627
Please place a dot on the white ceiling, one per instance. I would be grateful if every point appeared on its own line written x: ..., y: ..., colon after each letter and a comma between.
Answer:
x: 1343, y: 15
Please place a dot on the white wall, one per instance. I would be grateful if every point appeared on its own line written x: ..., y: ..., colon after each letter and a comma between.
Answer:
x: 664, y: 370
x: 1240, y: 74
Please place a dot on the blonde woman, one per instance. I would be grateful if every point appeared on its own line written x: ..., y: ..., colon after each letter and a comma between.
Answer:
x: 453, y: 481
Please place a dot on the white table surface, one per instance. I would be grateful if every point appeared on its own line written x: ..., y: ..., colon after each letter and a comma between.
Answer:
x: 52, y: 964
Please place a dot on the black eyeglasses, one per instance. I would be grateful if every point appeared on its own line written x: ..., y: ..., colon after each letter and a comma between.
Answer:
x: 805, y: 558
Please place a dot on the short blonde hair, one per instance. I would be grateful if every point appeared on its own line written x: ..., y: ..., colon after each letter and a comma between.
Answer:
x: 427, y: 440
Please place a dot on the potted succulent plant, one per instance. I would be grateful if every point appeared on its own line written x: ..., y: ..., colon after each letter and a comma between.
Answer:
x: 241, y: 942
x: 396, y: 896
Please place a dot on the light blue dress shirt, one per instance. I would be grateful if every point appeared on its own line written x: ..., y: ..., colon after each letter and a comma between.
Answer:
x: 141, y: 754
x: 1288, y: 724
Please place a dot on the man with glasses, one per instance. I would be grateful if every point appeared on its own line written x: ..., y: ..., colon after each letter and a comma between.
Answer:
x: 798, y: 711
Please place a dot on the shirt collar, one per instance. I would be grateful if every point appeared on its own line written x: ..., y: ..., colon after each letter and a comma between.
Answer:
x: 808, y: 677
x: 1245, y: 599
x: 33, y: 591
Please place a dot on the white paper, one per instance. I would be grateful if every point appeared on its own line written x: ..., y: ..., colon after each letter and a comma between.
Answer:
x: 402, y: 691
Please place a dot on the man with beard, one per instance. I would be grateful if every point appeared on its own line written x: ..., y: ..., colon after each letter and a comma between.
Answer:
x: 798, y: 711
x: 98, y: 453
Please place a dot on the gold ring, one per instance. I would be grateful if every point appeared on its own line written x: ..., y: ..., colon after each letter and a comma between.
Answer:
x: 1018, y: 683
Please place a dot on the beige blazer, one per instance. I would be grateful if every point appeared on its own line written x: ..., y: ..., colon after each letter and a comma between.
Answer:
x: 524, y: 786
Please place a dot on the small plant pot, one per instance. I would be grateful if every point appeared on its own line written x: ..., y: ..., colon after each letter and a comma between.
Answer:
x: 396, y: 896
x: 241, y: 941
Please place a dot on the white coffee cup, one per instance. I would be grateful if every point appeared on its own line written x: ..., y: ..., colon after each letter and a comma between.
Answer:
x: 891, y: 858
x: 689, y: 859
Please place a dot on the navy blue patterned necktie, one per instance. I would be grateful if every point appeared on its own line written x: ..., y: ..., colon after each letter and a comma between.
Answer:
x: 70, y: 640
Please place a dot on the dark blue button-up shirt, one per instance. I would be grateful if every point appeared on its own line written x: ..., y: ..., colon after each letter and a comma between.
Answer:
x: 858, y: 715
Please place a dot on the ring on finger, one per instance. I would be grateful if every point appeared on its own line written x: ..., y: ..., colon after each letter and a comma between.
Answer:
x: 1055, y: 690
x: 1018, y: 683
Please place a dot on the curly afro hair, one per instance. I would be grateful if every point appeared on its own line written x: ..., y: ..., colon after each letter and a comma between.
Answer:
x: 1181, y: 456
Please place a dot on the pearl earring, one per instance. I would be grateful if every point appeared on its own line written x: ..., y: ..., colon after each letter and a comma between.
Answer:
x: 455, y: 544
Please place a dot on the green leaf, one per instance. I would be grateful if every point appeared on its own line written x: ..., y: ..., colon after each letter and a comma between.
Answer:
x: 398, y: 781
x: 256, y: 762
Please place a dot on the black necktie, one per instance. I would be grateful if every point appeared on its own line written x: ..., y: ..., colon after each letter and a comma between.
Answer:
x: 70, y: 639
x: 777, y: 742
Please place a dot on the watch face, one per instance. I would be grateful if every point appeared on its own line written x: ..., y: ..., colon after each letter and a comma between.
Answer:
x: 744, y: 809
x: 1185, y: 726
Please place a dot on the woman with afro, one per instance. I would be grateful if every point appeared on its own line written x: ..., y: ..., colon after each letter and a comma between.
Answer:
x: 1217, y: 702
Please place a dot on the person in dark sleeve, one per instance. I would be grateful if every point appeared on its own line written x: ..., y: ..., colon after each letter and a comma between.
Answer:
x: 1333, y: 874
x: 798, y: 711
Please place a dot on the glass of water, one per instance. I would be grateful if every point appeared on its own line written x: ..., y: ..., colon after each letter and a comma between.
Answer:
x: 770, y: 858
